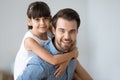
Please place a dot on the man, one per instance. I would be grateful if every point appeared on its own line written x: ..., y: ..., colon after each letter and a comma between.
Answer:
x: 66, y: 23
x: 65, y: 28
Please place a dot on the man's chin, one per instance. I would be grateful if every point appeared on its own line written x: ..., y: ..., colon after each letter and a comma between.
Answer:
x: 66, y: 48
x: 66, y: 51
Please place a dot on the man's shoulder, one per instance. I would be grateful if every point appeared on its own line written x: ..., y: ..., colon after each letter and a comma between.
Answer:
x: 51, y: 47
x: 35, y: 60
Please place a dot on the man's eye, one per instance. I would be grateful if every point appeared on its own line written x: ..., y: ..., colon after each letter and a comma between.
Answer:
x: 73, y: 31
x: 62, y: 30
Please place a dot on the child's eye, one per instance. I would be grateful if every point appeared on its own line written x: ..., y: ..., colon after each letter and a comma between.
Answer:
x: 37, y: 19
x: 46, y: 18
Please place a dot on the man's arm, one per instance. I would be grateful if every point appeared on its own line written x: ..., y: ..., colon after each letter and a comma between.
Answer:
x: 80, y: 73
x: 76, y: 77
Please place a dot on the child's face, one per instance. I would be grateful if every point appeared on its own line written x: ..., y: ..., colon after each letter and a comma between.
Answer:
x: 40, y: 25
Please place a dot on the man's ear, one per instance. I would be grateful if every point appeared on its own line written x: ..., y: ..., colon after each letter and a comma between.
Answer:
x: 29, y: 22
x: 53, y: 30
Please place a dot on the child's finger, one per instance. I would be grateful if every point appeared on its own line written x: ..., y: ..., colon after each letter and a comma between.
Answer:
x: 57, y: 72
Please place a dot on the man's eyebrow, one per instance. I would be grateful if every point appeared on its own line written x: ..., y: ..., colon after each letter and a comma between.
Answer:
x: 60, y: 28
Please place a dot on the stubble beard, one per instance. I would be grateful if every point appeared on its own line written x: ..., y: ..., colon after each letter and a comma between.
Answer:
x: 64, y: 48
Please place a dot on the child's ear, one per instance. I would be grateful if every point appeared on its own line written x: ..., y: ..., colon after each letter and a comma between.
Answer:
x: 29, y: 23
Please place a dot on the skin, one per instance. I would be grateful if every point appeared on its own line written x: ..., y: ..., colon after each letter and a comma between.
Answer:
x: 40, y: 27
x: 65, y: 34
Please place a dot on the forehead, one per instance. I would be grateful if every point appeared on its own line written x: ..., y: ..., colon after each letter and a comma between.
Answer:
x: 66, y: 24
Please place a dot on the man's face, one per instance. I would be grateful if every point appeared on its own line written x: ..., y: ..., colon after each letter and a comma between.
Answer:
x: 65, y: 34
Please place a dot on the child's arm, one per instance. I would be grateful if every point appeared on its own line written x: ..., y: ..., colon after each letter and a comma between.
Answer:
x: 80, y: 73
x: 31, y: 44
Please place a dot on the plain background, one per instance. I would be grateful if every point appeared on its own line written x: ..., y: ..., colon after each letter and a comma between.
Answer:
x: 98, y: 38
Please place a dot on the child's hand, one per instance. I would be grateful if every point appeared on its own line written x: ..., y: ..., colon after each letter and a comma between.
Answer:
x: 74, y: 52
x: 61, y: 68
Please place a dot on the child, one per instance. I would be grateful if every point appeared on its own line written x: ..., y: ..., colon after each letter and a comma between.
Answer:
x: 39, y: 18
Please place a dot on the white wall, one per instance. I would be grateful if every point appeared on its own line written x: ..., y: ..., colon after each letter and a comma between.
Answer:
x: 98, y: 38
x: 104, y: 37
x: 13, y: 26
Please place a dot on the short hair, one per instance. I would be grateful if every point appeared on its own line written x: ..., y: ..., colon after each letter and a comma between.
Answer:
x: 68, y: 14
x: 38, y: 9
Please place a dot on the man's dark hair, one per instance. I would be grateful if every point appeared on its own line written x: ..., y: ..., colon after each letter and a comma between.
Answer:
x: 68, y: 14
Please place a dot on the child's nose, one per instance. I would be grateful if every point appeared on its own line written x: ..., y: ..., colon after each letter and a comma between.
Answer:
x: 41, y: 21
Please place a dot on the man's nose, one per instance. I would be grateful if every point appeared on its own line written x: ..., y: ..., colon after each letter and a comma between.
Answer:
x: 67, y: 36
